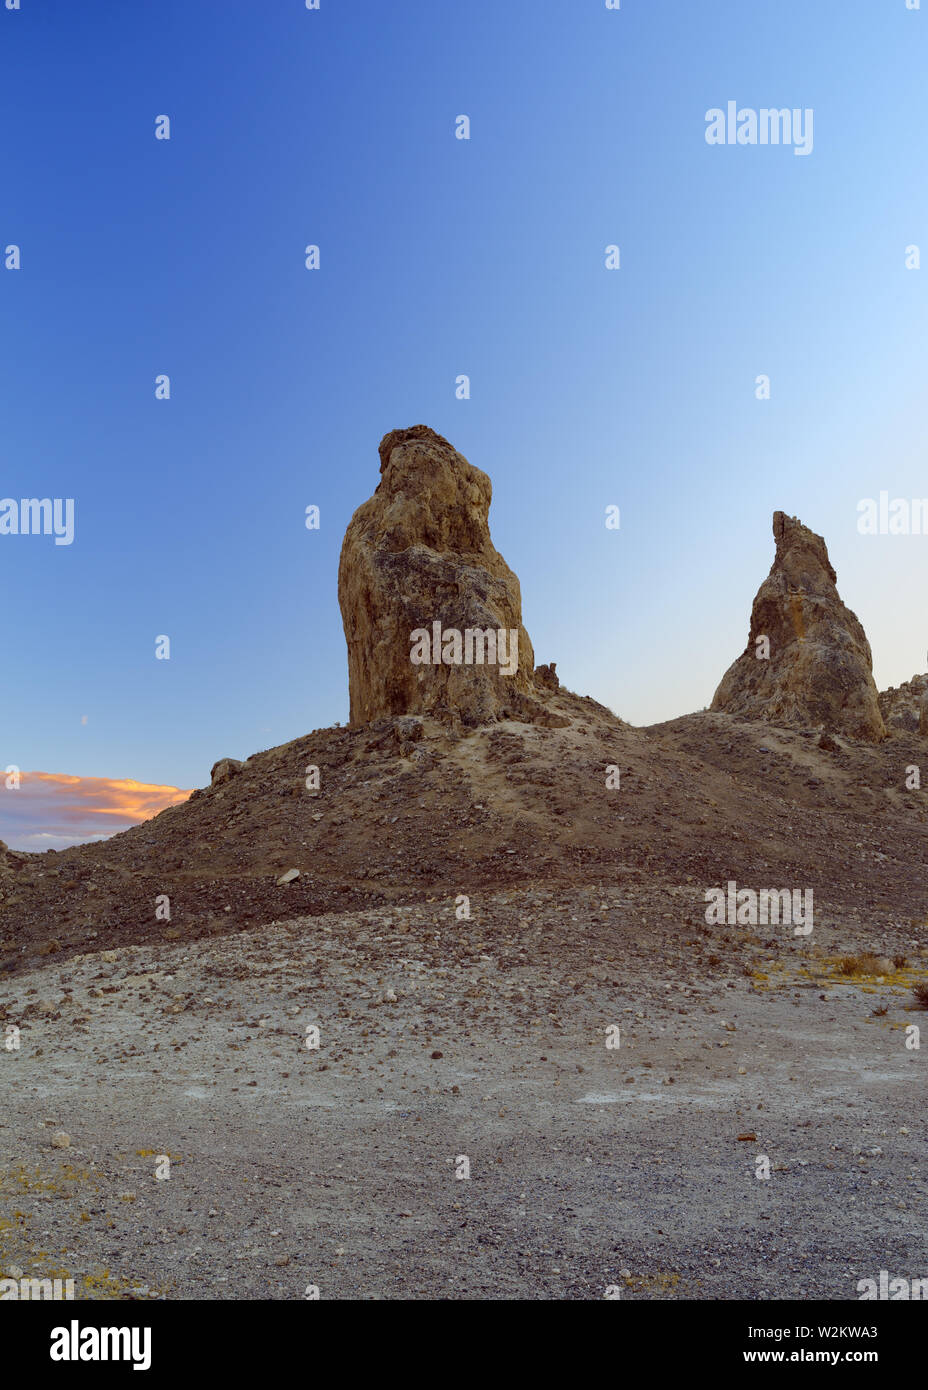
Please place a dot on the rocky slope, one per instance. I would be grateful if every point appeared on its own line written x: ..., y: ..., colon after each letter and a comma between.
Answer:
x: 455, y: 779
x: 408, y: 811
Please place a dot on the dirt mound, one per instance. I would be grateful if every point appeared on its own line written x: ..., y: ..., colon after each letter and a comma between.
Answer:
x: 405, y: 810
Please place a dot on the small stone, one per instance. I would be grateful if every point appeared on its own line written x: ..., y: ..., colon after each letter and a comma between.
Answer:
x: 288, y: 877
x: 61, y: 1139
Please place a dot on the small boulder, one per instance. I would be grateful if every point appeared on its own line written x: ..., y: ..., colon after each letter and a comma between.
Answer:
x: 546, y: 677
x: 224, y: 771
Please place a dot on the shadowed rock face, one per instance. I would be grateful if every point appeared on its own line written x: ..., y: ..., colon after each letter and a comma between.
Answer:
x: 820, y: 666
x: 418, y: 553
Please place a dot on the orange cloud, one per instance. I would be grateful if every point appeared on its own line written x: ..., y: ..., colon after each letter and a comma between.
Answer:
x: 51, y: 810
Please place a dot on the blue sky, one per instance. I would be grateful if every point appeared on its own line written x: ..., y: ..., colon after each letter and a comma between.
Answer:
x: 438, y: 257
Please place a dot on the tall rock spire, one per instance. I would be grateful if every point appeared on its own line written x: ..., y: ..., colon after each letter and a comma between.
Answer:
x: 418, y: 573
x: 819, y: 668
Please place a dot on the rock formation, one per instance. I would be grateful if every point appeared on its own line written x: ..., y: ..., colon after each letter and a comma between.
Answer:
x: 425, y: 595
x: 906, y: 706
x: 819, y: 670
x: 224, y: 770
x: 10, y: 860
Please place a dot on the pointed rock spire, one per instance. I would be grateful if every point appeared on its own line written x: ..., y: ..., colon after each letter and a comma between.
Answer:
x: 815, y: 667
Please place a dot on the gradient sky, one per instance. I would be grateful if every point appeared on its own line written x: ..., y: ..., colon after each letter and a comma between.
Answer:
x: 440, y: 257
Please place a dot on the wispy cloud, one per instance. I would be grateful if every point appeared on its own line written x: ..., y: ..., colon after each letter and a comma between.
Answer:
x: 50, y: 810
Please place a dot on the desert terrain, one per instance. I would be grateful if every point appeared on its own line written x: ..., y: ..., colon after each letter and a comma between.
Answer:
x: 535, y: 1068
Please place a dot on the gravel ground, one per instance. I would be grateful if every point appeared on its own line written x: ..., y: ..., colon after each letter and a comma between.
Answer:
x: 590, y: 1166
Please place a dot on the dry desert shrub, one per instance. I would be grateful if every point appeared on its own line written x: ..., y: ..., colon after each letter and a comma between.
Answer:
x: 864, y: 964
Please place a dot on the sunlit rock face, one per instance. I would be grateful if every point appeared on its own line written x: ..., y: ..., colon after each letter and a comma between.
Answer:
x: 820, y: 669
x: 432, y: 612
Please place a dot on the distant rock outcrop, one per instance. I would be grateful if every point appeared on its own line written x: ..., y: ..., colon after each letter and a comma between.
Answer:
x: 9, y: 860
x: 818, y: 666
x: 432, y: 612
x: 224, y: 770
x: 906, y: 706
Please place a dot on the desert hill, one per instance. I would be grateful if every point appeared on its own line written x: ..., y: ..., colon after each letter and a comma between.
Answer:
x: 455, y: 778
x: 409, y: 812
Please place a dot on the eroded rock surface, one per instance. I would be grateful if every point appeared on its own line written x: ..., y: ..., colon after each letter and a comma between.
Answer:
x: 819, y: 670
x: 906, y: 706
x: 418, y: 573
